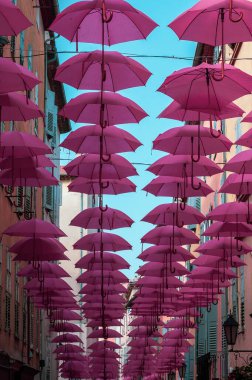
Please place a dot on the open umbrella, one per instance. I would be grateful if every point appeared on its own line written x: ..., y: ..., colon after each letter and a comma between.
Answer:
x: 14, y: 106
x: 70, y: 338
x: 88, y: 139
x: 115, y: 109
x: 240, y: 163
x: 29, y: 177
x: 121, y: 72
x: 34, y: 228
x: 83, y: 21
x: 112, y: 186
x: 91, y: 260
x: 47, y: 270
x: 110, y: 334
x: 230, y: 212
x: 108, y: 241
x: 26, y: 162
x: 66, y: 327
x: 12, y: 20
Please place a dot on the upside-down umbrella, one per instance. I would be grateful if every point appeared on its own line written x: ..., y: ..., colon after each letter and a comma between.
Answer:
x: 93, y: 218
x: 113, y: 186
x: 88, y: 140
x: 14, y: 106
x: 115, y: 108
x: 34, y: 228
x: 170, y: 214
x: 83, y: 22
x: 177, y: 112
x: 21, y: 144
x: 120, y: 72
x: 109, y: 242
x: 29, y: 177
x: 240, y: 163
x: 89, y: 166
x: 15, y: 77
x: 195, y: 140
x: 12, y: 20
x: 90, y: 260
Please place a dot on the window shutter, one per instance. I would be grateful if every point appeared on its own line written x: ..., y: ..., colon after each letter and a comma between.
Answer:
x: 235, y: 298
x: 49, y: 197
x: 21, y: 48
x: 51, y: 117
x: 223, y: 195
x: 201, y: 336
x: 29, y: 58
x: 238, y: 132
x: 212, y: 323
x: 190, y: 364
x: 242, y: 307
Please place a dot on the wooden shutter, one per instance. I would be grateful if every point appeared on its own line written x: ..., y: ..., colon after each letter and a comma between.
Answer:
x: 201, y: 336
x: 51, y: 116
x: 212, y: 323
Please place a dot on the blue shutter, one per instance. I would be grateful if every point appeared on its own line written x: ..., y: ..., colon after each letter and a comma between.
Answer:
x: 238, y: 133
x: 190, y: 361
x: 223, y: 195
x: 51, y: 116
x: 202, y: 336
x: 212, y: 322
x: 29, y: 58
x: 21, y: 47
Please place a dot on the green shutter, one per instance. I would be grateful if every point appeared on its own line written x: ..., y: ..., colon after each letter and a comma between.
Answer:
x: 235, y: 298
x: 196, y: 203
x: 29, y: 58
x: 22, y: 47
x: 190, y: 362
x: 51, y: 117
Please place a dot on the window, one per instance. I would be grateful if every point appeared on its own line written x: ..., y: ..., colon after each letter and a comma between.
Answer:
x: 16, y: 320
x: 21, y: 48
x: 24, y: 318
x: 8, y: 271
x: 7, y: 311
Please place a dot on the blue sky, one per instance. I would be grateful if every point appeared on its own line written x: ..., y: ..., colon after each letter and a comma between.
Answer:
x: 162, y: 42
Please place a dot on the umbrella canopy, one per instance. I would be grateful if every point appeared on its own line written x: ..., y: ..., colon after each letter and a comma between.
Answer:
x: 12, y: 20
x: 29, y: 177
x: 177, y: 112
x: 20, y: 144
x: 15, y: 77
x: 230, y: 212
x: 45, y: 268
x: 165, y: 214
x: 17, y: 107
x: 245, y: 139
x: 91, y: 260
x: 89, y: 166
x: 117, y: 109
x: 240, y: 163
x: 68, y: 315
x: 66, y: 327
x: 34, y: 228
x: 175, y: 187
x: 104, y: 344
x: 88, y: 139
x: 83, y: 21
x: 26, y: 162
x: 51, y: 283
x: 38, y: 248
x: 184, y: 86
x: 99, y: 276
x: 223, y: 245
x: 92, y: 218
x: 228, y: 229
x: 70, y: 338
x: 237, y: 184
x: 181, y: 166
x: 159, y: 269
x: 207, y: 15
x: 112, y: 186
x: 162, y: 235
x: 109, y: 333
x: 159, y: 254
x: 121, y: 72
x: 71, y: 348
x: 108, y: 241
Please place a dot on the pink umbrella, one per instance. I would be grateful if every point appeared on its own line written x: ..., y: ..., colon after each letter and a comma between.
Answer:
x: 108, y: 322
x: 121, y: 72
x: 99, y: 276
x: 237, y: 184
x: 17, y: 107
x: 110, y: 289
x: 224, y: 246
x: 112, y: 298
x: 85, y: 22
x: 195, y: 140
x: 177, y: 112
x: 88, y: 140
x: 202, y: 273
x: 160, y: 270
x: 170, y: 214
x: 116, y: 109
x: 240, y: 163
x: 110, y: 334
x: 159, y: 254
x: 27, y: 162
x: 70, y: 357
x: 53, y: 283
x: 245, y: 139
x: 111, y: 219
x: 89, y: 166
x: 20, y: 144
x: 70, y: 348
x: 47, y: 270
x: 113, y: 186
x: 175, y: 187
x: 66, y: 327
x: 230, y: 212
x: 107, y: 353
x: 184, y: 86
x: 247, y: 118
x: 15, y: 77
x: 107, y: 344
x: 90, y: 260
x: 155, y: 282
x: 228, y: 229
x: 163, y: 235
x: 34, y: 228
x: 70, y: 338
x: 66, y: 315
x: 12, y: 20
x: 29, y: 177
x: 215, y: 261
x: 108, y: 241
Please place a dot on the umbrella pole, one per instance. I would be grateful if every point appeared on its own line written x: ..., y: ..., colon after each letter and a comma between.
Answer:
x: 198, y: 146
x: 195, y: 187
x: 231, y: 13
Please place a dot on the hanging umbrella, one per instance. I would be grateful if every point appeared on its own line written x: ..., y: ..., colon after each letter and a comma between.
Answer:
x: 163, y: 235
x: 108, y: 322
x: 92, y: 259
x: 245, y: 139
x: 66, y: 315
x: 70, y: 357
x: 113, y: 186
x: 107, y: 344
x: 66, y: 327
x: 112, y: 298
x: 160, y: 270
x: 88, y: 140
x: 230, y: 212
x: 155, y: 282
x: 96, y: 289
x: 29, y: 177
x: 110, y: 334
x: 34, y: 228
x: 226, y: 21
x: 240, y: 163
x: 237, y: 184
x: 177, y: 112
x: 15, y: 77
x: 91, y: 218
x: 68, y: 348
x: 169, y: 214
x: 51, y: 283
x: 26, y: 162
x: 38, y: 249
x: 12, y: 20
x: 70, y: 338
x: 247, y: 118
x: 99, y: 275
x: 83, y: 21
x: 219, y: 262
x: 225, y: 246
x: 89, y: 166
x: 195, y: 140
x: 108, y: 241
x: 20, y: 145
x: 234, y: 229
x: 47, y: 270
x: 121, y: 72
x: 116, y: 109
x: 17, y: 107
x: 158, y: 254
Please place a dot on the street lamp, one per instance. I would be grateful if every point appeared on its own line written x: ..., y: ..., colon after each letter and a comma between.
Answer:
x: 231, y: 330
x: 182, y: 371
